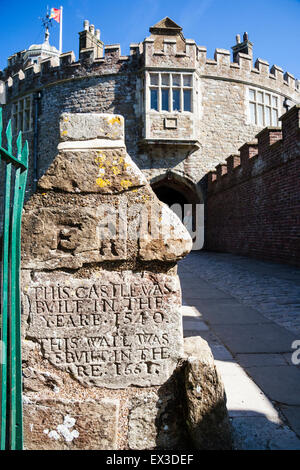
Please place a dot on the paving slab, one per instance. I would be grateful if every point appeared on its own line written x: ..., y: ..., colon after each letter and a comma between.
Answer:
x: 209, y: 336
x: 252, y: 309
x: 292, y: 414
x: 258, y: 433
x: 227, y: 311
x: 221, y: 353
x: 249, y: 360
x: 280, y: 383
x: 203, y: 292
x: 192, y: 323
x: 244, y: 397
x: 255, y: 338
x: 190, y: 311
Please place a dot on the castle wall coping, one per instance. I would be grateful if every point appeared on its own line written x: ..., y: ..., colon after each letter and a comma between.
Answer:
x: 270, y: 129
x: 261, y: 61
x: 276, y: 67
x: 288, y: 74
x: 223, y: 51
x: 211, y: 62
x: 112, y: 47
x: 244, y: 56
x: 169, y: 41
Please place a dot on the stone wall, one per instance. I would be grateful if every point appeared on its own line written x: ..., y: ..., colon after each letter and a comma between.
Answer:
x: 253, y: 200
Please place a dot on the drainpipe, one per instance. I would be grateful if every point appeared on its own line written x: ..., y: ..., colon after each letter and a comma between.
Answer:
x: 37, y: 98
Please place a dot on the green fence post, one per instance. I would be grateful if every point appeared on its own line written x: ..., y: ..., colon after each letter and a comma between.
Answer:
x: 11, y: 429
x: 5, y: 298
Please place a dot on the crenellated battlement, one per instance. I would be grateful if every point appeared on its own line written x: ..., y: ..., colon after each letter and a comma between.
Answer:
x: 165, y: 48
x: 272, y: 147
x: 243, y: 70
x: 65, y: 67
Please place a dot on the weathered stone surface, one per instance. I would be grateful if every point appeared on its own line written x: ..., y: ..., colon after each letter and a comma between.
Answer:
x: 142, y: 422
x: 101, y: 299
x: 35, y: 380
x: 66, y: 237
x: 91, y: 126
x: 207, y: 417
x: 69, y: 236
x: 169, y: 241
x: 103, y: 171
x: 156, y: 419
x: 70, y: 425
x: 112, y: 330
x: 127, y: 221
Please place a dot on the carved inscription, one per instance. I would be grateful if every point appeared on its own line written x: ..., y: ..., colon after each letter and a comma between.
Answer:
x: 111, y: 331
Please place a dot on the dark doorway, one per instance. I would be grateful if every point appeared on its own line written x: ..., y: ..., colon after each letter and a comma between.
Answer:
x: 175, y: 192
x: 170, y: 196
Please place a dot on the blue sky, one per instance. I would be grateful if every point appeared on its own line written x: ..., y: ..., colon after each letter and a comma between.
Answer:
x: 272, y: 25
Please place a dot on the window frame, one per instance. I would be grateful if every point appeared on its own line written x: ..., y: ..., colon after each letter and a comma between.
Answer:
x: 169, y: 85
x: 267, y: 107
x: 19, y: 111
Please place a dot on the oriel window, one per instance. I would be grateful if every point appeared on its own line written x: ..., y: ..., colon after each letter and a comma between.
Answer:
x: 171, y: 92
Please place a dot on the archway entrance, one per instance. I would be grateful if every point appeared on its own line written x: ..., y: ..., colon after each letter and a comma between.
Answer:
x: 180, y: 194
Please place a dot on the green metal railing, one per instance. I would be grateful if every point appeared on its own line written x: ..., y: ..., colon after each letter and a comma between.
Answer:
x: 11, y: 430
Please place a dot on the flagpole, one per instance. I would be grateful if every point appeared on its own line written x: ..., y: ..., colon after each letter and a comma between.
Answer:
x: 60, y: 30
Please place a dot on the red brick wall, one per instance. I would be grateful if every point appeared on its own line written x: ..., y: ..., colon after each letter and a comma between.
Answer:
x: 253, y: 204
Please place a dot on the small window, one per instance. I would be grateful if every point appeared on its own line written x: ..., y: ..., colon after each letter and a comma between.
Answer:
x: 22, y: 115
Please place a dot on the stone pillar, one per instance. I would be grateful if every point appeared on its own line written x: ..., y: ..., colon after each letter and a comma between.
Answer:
x: 102, y: 327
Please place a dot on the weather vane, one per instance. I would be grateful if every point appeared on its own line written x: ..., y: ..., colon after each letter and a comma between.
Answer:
x: 47, y: 20
x: 55, y: 14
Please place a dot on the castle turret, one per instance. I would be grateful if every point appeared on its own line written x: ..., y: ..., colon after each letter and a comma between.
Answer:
x: 38, y: 52
x: 89, y: 38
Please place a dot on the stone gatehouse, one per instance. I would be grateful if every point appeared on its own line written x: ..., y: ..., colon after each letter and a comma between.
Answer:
x: 184, y: 113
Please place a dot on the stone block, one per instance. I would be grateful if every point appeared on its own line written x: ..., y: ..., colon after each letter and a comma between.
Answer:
x: 110, y: 330
x: 207, y: 417
x: 88, y: 126
x: 71, y: 425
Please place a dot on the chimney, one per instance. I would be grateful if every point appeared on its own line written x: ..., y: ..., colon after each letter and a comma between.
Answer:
x: 90, y: 39
x: 246, y: 47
